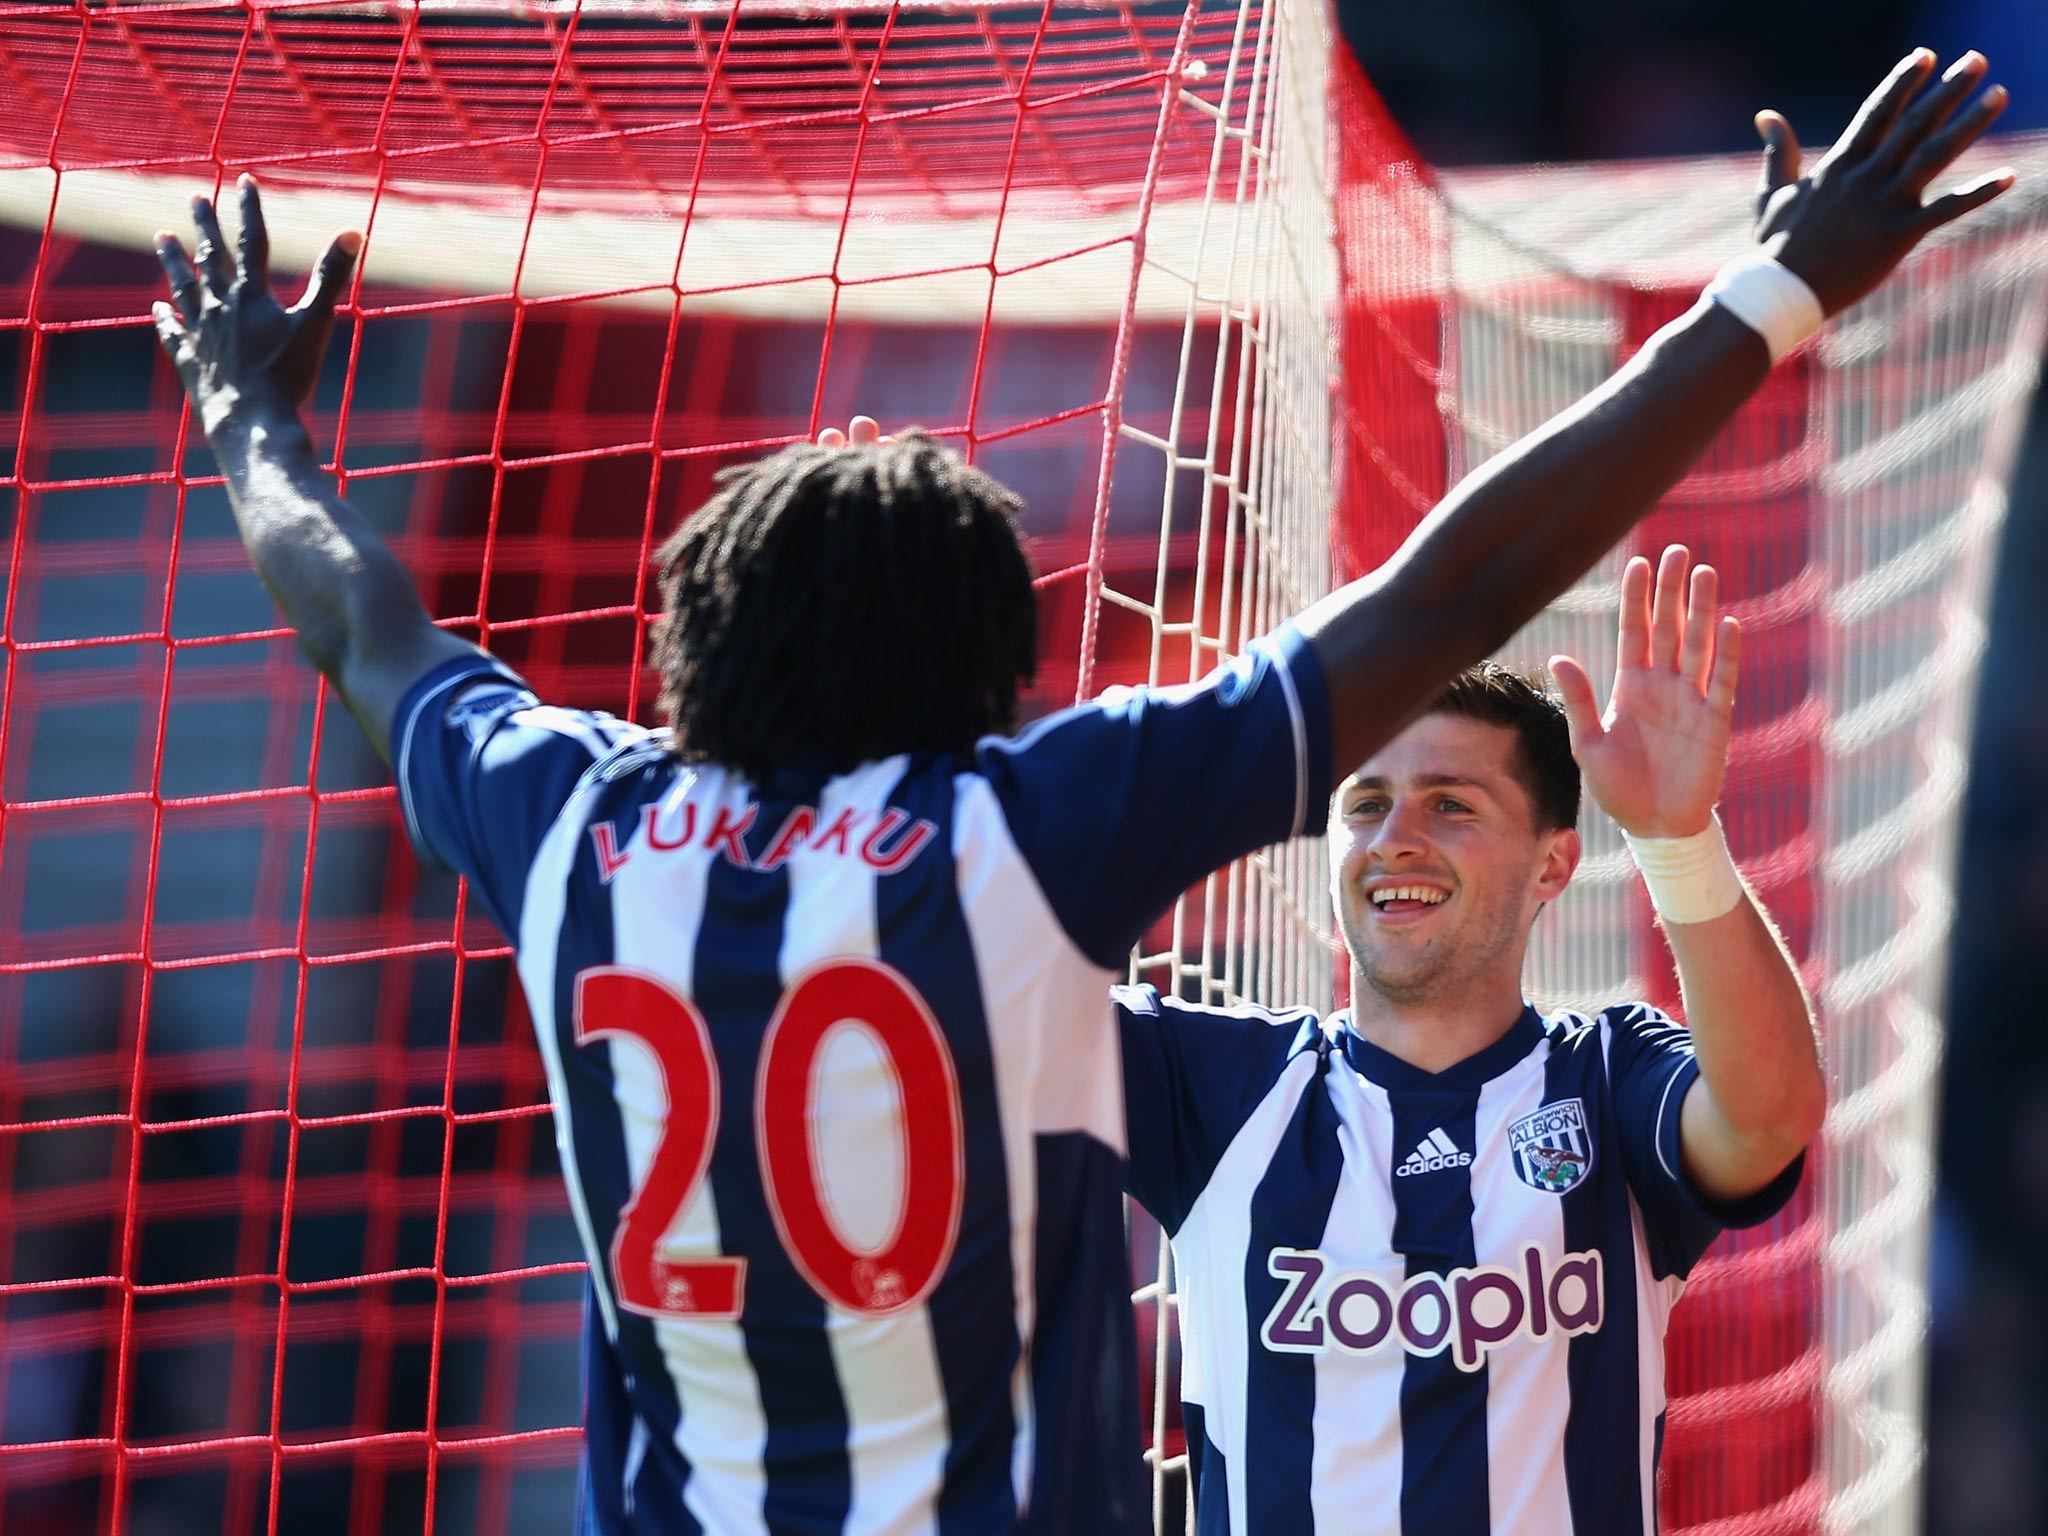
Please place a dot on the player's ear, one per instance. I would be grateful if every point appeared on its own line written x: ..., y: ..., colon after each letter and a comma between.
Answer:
x: 1561, y: 851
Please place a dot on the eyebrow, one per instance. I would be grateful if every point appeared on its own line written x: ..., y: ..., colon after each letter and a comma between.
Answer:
x: 1423, y: 780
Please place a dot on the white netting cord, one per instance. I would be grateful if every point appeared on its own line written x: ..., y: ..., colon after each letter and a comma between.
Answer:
x: 1248, y: 274
x: 1919, y: 456
x: 1526, y: 349
x: 1916, y: 402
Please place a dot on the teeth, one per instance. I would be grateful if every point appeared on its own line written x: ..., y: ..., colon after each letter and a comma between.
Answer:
x: 1406, y: 893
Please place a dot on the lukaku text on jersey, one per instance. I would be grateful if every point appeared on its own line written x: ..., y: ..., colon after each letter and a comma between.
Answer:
x: 835, y: 1081
x: 1430, y: 1304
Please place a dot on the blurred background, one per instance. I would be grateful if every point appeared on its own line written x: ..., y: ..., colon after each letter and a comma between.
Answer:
x: 1493, y: 82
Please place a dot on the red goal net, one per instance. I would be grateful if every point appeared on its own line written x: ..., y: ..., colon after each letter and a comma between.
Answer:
x: 282, y: 1242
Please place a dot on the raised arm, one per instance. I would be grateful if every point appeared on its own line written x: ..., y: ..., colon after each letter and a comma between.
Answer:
x: 1518, y: 531
x: 1655, y: 763
x: 248, y: 364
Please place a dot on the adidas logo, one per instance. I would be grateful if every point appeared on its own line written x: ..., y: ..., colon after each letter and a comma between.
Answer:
x: 1435, y: 1151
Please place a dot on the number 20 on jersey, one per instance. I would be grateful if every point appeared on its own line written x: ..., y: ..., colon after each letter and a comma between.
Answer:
x: 618, y: 1002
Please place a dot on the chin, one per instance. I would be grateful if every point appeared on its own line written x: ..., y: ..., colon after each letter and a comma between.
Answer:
x: 1406, y: 985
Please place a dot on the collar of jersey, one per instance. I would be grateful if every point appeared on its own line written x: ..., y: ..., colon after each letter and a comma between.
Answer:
x: 1392, y: 1073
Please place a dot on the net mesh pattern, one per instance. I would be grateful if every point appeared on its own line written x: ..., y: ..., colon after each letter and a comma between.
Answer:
x: 285, y: 1244
x: 282, y: 1241
x: 1853, y: 509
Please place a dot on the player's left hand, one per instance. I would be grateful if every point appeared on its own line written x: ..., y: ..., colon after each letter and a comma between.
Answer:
x: 1655, y: 761
x: 1845, y: 222
x: 234, y: 345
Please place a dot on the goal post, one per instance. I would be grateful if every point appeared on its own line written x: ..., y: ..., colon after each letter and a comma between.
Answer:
x: 281, y: 1235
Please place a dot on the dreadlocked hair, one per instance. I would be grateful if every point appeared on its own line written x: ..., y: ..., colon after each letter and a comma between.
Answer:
x: 830, y: 606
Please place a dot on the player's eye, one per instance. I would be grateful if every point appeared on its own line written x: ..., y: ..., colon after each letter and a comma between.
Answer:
x: 1367, y: 805
x: 1452, y: 804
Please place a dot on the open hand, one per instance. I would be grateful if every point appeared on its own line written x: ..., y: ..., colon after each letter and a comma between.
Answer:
x: 1844, y: 224
x: 1656, y: 759
x: 234, y: 345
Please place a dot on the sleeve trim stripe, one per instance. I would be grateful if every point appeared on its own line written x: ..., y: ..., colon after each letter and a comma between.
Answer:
x: 405, y: 736
x: 566, y: 722
x: 1031, y: 734
x: 408, y: 730
x: 1657, y: 1137
x: 1299, y: 724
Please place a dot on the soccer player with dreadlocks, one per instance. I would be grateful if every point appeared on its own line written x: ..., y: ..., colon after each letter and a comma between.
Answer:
x: 820, y: 973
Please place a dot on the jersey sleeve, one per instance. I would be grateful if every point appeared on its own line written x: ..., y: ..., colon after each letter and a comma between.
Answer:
x: 1650, y: 1069
x: 1120, y: 804
x: 484, y: 768
x: 1192, y: 1077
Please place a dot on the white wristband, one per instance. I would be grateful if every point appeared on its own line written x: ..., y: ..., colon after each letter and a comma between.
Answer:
x: 1690, y: 879
x: 1770, y: 299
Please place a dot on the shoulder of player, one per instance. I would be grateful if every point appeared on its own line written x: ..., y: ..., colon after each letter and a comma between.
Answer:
x: 1228, y: 679
x: 483, y: 698
x: 1299, y: 1028
x: 1571, y: 1030
x: 592, y: 758
x: 629, y: 749
x: 992, y: 754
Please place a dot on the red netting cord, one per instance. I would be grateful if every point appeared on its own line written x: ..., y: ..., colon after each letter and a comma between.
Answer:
x: 1119, y: 366
x: 399, y: 1271
x: 1743, y: 1352
x: 354, y: 1083
x: 1391, y: 457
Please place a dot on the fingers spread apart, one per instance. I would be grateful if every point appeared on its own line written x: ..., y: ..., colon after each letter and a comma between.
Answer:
x: 1727, y: 663
x: 212, y: 255
x: 1781, y: 157
x: 170, y: 330
x: 1915, y: 140
x: 1941, y: 150
x: 1575, y: 693
x: 252, y: 247
x: 1881, y: 108
x: 1668, y: 623
x: 1634, y: 647
x: 1935, y: 107
x: 1696, y: 653
x: 178, y: 275
x: 1667, y: 617
x: 330, y: 278
x: 1941, y: 127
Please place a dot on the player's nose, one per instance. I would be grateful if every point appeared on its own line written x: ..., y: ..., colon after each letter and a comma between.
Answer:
x: 1400, y: 832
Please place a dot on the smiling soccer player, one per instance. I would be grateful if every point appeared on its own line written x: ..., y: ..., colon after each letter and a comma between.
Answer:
x: 1429, y: 1246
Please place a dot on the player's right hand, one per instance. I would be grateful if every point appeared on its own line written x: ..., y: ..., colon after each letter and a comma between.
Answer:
x: 1844, y: 224
x: 1655, y: 761
x: 236, y: 348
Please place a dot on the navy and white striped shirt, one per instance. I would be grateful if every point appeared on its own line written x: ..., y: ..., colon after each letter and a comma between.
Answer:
x: 835, y: 1079
x: 1414, y: 1302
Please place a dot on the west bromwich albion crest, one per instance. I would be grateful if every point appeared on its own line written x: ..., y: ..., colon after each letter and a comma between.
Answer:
x: 1553, y: 1151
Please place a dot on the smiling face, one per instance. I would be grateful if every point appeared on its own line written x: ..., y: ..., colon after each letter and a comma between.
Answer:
x: 1438, y: 863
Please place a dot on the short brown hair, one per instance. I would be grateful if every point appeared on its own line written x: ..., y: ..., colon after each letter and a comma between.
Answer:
x: 1498, y: 695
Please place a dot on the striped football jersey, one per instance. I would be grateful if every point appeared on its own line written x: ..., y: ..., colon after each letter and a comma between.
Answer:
x: 835, y: 1079
x: 1424, y: 1304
